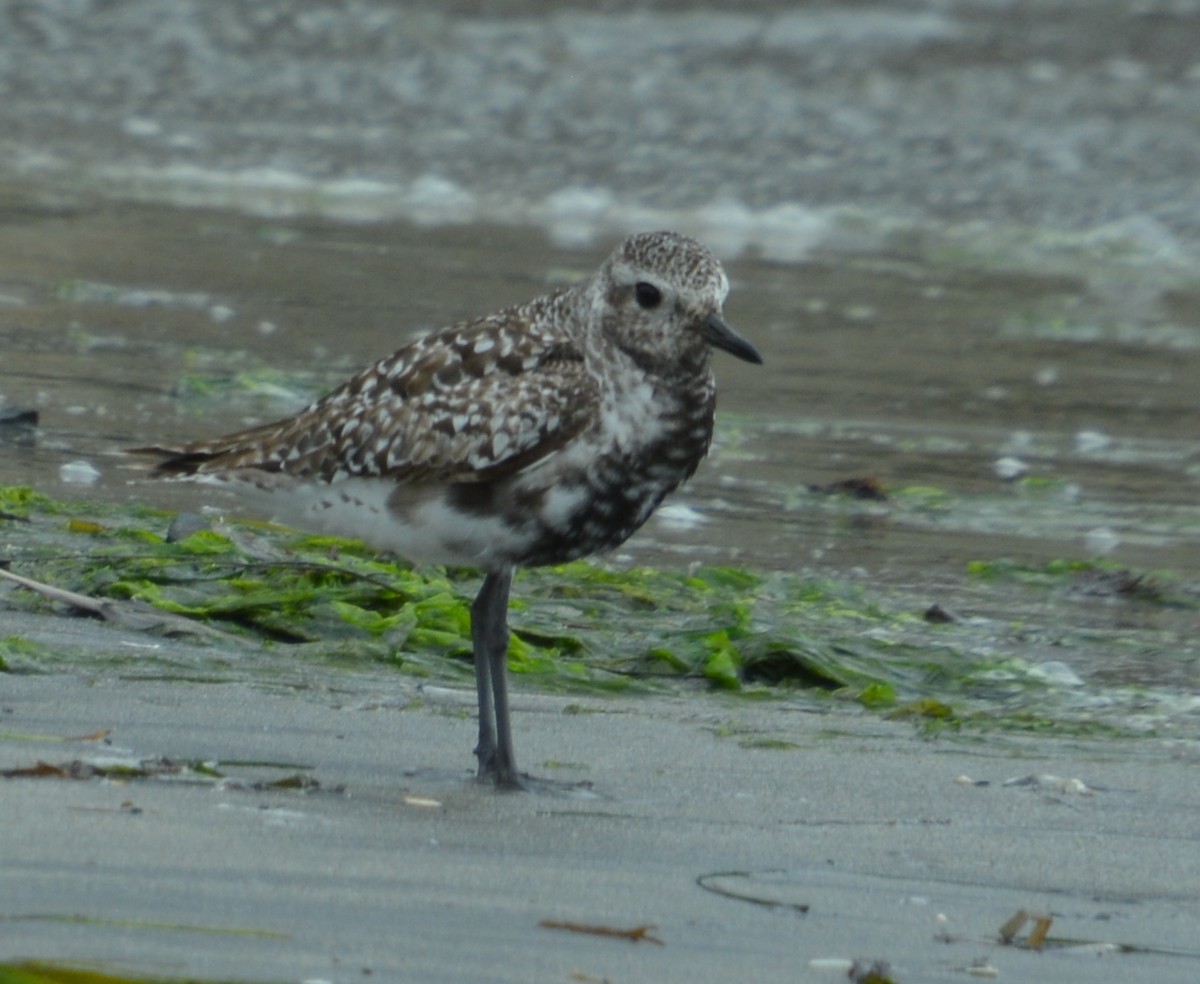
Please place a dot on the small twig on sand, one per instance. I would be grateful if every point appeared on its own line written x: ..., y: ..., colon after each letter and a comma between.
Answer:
x: 127, y: 614
x: 635, y: 935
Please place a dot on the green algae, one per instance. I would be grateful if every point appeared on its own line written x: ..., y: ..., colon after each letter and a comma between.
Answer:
x: 52, y: 972
x: 1097, y: 578
x: 204, y: 384
x: 47, y: 972
x: 297, y: 601
x: 18, y: 654
x: 17, y: 501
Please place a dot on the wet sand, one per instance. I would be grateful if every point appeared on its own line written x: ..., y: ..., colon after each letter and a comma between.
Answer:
x: 842, y: 837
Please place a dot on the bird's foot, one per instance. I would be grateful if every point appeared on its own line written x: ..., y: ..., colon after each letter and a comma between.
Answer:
x: 501, y: 774
x: 508, y: 779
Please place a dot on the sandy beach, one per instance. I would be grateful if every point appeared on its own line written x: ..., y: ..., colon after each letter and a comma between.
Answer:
x: 761, y: 841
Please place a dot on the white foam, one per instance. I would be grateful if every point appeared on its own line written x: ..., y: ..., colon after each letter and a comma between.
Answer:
x: 573, y: 216
x: 644, y: 34
x: 594, y: 37
x: 1056, y: 673
x: 806, y: 29
x: 433, y: 200
x: 1091, y: 442
x: 78, y: 473
x: 679, y: 516
x: 579, y: 216
x: 1101, y: 540
x: 1141, y: 236
x: 1008, y: 468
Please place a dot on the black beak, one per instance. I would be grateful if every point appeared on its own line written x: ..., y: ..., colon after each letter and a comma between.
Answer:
x: 717, y: 333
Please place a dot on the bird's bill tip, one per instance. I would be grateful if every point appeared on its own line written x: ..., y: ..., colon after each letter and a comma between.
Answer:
x: 718, y: 333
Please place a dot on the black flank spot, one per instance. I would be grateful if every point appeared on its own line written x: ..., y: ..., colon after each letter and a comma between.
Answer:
x: 477, y: 498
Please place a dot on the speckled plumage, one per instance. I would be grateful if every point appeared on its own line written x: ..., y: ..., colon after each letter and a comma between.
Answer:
x: 535, y: 435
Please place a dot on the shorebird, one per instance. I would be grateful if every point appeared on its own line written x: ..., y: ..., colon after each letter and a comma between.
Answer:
x: 536, y: 435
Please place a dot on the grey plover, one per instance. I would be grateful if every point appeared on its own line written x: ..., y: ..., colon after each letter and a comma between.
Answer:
x: 535, y: 435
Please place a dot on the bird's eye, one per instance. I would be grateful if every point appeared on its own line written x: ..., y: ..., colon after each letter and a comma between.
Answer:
x: 648, y: 296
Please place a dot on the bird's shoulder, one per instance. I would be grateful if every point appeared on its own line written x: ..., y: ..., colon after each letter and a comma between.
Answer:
x: 506, y: 345
x: 472, y: 402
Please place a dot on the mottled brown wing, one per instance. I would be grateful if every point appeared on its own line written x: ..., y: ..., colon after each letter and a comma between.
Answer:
x: 471, y: 403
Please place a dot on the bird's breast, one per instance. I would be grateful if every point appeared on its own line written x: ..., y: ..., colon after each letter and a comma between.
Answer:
x: 595, y: 493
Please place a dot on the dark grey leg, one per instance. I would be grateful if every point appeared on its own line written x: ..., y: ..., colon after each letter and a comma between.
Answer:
x: 485, y: 749
x: 489, y: 635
